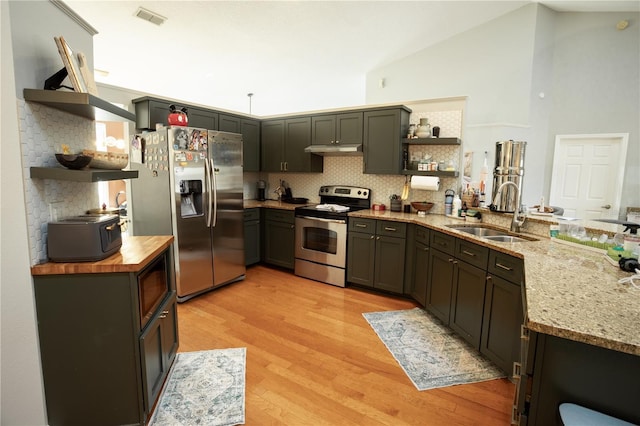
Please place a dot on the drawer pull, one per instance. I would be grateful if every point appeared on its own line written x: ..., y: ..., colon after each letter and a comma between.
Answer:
x: 501, y: 266
x: 468, y: 253
x: 388, y: 228
x: 515, y: 416
x: 517, y: 369
x: 361, y: 225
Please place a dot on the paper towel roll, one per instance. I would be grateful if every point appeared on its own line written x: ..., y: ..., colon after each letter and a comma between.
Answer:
x: 428, y: 183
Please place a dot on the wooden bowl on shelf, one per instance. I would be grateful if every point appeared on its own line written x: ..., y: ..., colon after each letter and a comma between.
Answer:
x: 74, y: 161
x: 421, y: 206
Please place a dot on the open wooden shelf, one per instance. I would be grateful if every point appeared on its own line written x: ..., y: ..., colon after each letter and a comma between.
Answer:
x: 80, y: 104
x: 83, y: 175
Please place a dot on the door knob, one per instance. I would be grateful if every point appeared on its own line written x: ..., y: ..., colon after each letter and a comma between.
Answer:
x: 606, y: 206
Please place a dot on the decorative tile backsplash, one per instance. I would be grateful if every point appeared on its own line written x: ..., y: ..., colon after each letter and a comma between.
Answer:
x: 41, y: 130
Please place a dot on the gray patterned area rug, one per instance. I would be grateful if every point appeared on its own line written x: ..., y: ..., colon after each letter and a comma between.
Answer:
x: 203, y: 388
x: 429, y: 352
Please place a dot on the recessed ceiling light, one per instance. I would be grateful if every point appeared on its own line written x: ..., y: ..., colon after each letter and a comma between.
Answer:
x: 150, y: 16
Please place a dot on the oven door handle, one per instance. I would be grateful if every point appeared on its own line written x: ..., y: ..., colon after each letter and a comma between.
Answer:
x: 323, y: 219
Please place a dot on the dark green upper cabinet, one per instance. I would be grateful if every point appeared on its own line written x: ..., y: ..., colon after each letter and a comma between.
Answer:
x: 202, y: 118
x: 250, y: 130
x: 228, y: 123
x: 151, y: 111
x: 272, y: 142
x: 283, y: 144
x: 342, y: 128
x: 383, y: 130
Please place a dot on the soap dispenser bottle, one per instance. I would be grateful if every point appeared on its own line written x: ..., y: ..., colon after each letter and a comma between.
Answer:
x: 457, y: 205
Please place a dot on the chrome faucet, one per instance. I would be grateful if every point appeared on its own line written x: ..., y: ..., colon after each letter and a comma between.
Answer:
x: 279, y: 190
x: 518, y: 218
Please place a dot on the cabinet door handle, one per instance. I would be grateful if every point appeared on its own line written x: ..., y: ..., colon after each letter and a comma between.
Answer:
x: 164, y: 314
x: 377, y: 238
x: 468, y: 253
x: 388, y: 228
x: 371, y: 238
x: 517, y: 369
x: 501, y: 266
x: 286, y: 166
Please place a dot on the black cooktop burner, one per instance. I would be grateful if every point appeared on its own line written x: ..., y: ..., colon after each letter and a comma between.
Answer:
x: 337, y: 201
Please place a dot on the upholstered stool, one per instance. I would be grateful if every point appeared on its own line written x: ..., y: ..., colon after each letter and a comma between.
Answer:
x: 576, y: 415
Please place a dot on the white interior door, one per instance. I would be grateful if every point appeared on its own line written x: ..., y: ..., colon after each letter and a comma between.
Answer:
x: 588, y: 172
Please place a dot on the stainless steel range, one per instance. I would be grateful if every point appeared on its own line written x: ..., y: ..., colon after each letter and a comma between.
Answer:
x: 321, y: 233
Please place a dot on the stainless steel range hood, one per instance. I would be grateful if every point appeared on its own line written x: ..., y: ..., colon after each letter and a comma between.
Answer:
x: 335, y: 149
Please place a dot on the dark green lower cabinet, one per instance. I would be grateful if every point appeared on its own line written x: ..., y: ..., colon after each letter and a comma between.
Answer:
x: 375, y: 258
x: 361, y: 257
x: 440, y: 284
x: 468, y: 302
x: 101, y: 363
x: 559, y: 370
x: 251, y: 236
x: 279, y: 238
x: 389, y: 263
x: 159, y: 344
x: 503, y: 315
x: 420, y: 273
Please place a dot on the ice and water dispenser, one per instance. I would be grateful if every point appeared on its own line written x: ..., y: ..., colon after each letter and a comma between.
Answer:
x: 191, y: 198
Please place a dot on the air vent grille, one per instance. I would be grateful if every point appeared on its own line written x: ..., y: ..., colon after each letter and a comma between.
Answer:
x: 150, y: 16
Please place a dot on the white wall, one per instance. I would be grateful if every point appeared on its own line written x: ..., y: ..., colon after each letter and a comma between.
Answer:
x: 492, y: 65
x: 596, y: 86
x: 29, y: 56
x: 22, y: 398
x: 586, y: 69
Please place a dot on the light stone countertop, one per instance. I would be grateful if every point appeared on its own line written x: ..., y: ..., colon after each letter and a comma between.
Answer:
x: 571, y: 292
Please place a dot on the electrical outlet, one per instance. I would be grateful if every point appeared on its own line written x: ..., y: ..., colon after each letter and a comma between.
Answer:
x: 55, y: 208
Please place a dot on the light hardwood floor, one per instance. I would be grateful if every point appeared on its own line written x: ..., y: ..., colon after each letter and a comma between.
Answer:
x: 312, y: 358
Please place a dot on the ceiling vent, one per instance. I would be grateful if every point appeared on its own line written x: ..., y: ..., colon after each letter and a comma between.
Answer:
x: 150, y: 16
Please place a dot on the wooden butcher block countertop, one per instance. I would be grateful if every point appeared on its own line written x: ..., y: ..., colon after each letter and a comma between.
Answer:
x: 135, y: 253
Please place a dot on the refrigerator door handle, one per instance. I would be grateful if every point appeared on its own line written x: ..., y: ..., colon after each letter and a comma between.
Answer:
x: 214, y: 190
x: 207, y: 185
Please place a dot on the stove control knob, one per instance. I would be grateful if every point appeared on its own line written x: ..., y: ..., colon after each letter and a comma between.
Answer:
x: 364, y: 193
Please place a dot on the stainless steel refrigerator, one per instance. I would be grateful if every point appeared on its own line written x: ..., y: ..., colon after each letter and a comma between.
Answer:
x: 190, y: 186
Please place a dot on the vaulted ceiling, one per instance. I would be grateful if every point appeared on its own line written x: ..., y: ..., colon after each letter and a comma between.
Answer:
x: 292, y: 55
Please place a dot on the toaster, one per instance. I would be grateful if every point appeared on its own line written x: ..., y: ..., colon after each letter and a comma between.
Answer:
x: 84, y: 238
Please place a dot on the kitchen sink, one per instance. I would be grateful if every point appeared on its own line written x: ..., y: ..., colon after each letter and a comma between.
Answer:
x: 492, y: 234
x: 507, y: 239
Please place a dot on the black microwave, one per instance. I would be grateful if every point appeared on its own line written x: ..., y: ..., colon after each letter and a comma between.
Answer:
x: 153, y: 287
